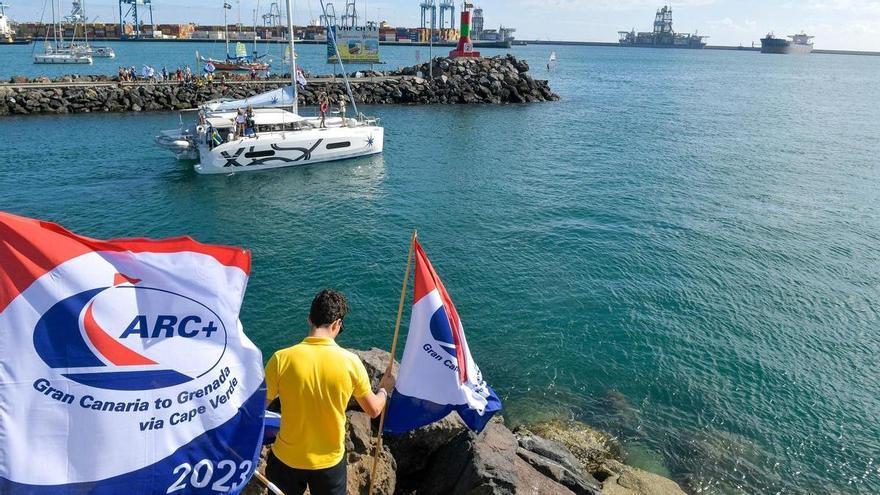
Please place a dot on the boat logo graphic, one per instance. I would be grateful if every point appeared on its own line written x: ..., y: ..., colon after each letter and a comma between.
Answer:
x: 130, y: 337
x: 263, y: 156
x: 442, y: 332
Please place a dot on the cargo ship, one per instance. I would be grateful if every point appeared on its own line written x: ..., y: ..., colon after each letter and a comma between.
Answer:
x: 799, y: 43
x: 663, y: 35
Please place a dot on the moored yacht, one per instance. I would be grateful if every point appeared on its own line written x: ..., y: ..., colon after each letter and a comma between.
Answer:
x: 57, y: 51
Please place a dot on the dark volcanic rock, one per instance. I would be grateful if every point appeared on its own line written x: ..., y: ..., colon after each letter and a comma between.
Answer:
x: 493, y: 80
x: 413, y: 450
x: 469, y: 463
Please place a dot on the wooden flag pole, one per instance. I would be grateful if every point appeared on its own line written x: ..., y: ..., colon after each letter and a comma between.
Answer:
x: 271, y: 486
x: 412, y: 244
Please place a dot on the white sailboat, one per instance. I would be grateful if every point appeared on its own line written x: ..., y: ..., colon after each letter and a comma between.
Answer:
x: 79, y: 19
x: 551, y: 62
x: 57, y: 52
x: 282, y: 137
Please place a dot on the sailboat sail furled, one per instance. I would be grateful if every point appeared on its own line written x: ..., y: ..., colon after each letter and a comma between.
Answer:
x: 281, y: 97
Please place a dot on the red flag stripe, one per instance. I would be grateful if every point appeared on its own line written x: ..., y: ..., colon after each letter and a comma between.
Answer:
x: 426, y: 280
x: 115, y: 352
x: 30, y: 248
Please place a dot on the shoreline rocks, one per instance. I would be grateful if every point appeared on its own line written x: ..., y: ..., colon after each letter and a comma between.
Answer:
x: 554, y: 457
x: 495, y: 80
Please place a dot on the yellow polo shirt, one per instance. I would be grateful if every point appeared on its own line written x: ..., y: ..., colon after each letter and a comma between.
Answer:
x: 315, y: 380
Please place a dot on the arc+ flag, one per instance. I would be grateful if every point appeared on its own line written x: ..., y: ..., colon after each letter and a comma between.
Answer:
x: 437, y: 373
x: 123, y: 365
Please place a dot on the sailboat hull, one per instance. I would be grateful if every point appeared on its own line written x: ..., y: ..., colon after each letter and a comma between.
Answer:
x: 62, y: 58
x: 236, y: 66
x: 288, y: 149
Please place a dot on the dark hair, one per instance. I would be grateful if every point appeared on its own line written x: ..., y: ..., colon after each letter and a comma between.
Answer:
x: 327, y: 307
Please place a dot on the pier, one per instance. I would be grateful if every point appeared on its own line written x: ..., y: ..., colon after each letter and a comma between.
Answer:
x: 495, y: 80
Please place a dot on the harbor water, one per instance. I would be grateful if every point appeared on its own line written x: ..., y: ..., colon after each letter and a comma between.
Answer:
x: 682, y: 251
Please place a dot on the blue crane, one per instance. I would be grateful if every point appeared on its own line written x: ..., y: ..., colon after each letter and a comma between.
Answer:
x: 133, y: 14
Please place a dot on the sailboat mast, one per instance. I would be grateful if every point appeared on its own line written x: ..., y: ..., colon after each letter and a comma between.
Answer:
x: 85, y: 21
x: 256, y: 12
x: 226, y: 29
x: 292, y: 57
x: 56, y: 22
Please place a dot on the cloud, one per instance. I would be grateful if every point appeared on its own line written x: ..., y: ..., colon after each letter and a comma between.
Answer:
x: 732, y: 26
x: 854, y: 7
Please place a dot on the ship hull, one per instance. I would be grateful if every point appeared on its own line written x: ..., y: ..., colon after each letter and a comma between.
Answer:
x: 784, y: 47
x: 678, y: 47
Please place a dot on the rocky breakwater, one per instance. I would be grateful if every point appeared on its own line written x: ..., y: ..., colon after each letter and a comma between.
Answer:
x: 555, y: 458
x: 494, y: 80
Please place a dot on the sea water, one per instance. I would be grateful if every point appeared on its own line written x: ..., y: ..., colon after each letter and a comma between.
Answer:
x: 684, y: 250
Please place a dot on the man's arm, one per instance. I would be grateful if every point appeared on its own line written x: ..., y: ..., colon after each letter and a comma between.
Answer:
x: 374, y: 403
x: 271, y: 380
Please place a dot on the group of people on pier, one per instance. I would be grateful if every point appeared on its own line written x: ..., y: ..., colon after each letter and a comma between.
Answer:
x: 150, y: 74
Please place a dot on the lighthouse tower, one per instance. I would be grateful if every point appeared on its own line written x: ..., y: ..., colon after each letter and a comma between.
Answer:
x: 465, y: 46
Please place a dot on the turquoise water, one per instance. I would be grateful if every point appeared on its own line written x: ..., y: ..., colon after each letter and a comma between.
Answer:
x: 684, y: 250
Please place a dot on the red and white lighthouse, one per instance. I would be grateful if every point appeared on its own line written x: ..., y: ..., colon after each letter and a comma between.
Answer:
x: 465, y: 46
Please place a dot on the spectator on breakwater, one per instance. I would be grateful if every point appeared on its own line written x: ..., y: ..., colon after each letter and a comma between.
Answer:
x: 314, y: 381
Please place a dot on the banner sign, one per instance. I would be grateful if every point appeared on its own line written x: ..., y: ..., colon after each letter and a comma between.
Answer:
x: 357, y: 45
x: 123, y: 365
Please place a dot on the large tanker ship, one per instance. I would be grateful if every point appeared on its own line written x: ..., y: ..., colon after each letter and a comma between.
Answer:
x: 799, y: 43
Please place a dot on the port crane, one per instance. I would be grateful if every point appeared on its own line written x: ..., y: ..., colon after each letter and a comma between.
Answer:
x: 447, y: 5
x: 328, y: 17
x: 429, y: 15
x: 133, y: 13
x: 273, y: 17
x: 349, y: 17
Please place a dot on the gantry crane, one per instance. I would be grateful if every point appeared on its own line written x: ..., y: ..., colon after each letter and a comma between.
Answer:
x: 133, y: 13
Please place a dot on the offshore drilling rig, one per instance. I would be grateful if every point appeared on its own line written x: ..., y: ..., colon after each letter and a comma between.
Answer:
x: 663, y: 36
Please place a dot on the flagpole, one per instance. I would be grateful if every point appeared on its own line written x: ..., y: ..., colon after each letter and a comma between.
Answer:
x: 409, y: 256
x: 271, y: 486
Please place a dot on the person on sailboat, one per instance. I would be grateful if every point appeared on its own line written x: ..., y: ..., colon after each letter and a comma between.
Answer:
x: 342, y: 111
x: 323, y: 106
x: 240, y: 121
x: 250, y: 127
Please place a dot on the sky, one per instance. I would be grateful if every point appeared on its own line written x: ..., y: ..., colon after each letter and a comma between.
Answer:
x: 837, y: 24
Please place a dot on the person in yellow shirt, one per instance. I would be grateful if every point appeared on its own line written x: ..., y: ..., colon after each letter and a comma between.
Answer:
x: 315, y: 380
